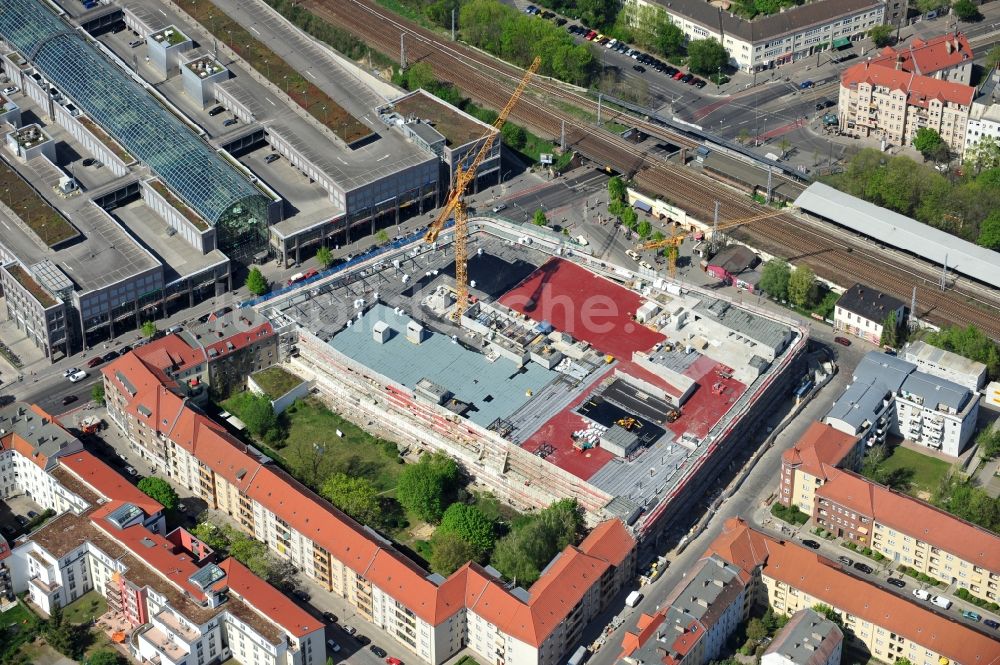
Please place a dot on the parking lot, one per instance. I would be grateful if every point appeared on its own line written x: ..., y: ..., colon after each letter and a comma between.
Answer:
x: 15, y: 512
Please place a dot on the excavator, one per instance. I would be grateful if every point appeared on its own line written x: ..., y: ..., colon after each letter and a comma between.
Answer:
x: 455, y: 205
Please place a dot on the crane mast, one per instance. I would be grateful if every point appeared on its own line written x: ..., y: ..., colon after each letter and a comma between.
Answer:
x: 455, y: 204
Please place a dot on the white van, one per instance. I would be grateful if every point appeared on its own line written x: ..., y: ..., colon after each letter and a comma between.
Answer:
x: 943, y: 603
x: 921, y: 594
x: 633, y: 599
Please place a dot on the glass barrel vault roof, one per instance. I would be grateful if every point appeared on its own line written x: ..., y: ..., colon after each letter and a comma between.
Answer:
x: 147, y: 130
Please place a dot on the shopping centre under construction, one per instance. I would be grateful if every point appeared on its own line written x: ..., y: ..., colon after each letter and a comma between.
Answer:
x: 564, y: 377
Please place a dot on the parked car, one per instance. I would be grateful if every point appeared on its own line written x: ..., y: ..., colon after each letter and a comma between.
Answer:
x: 362, y: 639
x: 301, y: 595
x: 68, y: 399
x: 125, y: 349
x: 560, y: 21
x: 687, y: 78
x: 32, y: 514
x: 135, y: 43
x: 378, y: 651
x: 805, y: 85
x: 991, y: 623
x: 812, y: 544
x: 89, y: 161
x: 130, y: 470
x: 499, y: 207
x: 94, y: 362
x: 230, y: 122
x: 109, y: 356
x: 845, y: 560
x: 79, y: 376
x: 843, y: 341
x: 972, y: 616
x: 393, y: 661
x: 9, y: 530
x: 700, y: 83
x: 639, y: 68
x: 330, y: 617
x: 273, y: 157
x: 216, y: 111
x: 22, y: 520
x: 679, y: 75
x: 922, y: 594
x: 896, y: 582
x: 10, y: 90
x: 333, y: 646
x: 941, y: 601
x: 350, y: 630
x: 864, y: 568
x: 70, y: 372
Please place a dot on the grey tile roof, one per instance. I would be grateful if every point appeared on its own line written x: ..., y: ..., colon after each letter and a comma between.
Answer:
x: 808, y: 639
x: 868, y: 303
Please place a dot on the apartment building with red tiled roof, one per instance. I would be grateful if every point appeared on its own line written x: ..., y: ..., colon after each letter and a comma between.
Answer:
x: 432, y: 616
x: 802, y: 465
x: 888, y: 625
x: 911, y: 532
x: 892, y: 96
x: 171, y: 599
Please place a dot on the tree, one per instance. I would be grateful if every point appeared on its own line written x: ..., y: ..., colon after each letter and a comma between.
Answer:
x: 470, y: 524
x: 257, y: 413
x: 514, y: 136
x: 629, y: 217
x: 104, y: 657
x: 644, y: 229
x: 539, y: 219
x: 707, y: 56
x: 927, y: 141
x: 419, y: 75
x: 159, y: 490
x: 890, y: 331
x: 324, y: 257
x: 382, y: 236
x: 992, y: 58
x: 616, y: 190
x: 525, y: 551
x: 774, y: 278
x: 830, y: 613
x: 989, y: 232
x: 924, y: 6
x: 148, y: 329
x: 426, y: 487
x: 358, y: 497
x: 988, y: 441
x: 756, y: 631
x: 965, y: 10
x: 256, y: 283
x: 802, y: 287
x: 881, y: 35
x: 984, y: 155
x: 969, y: 342
x: 668, y: 38
x: 450, y: 553
x: 97, y: 393
x: 743, y: 136
x: 784, y: 144
x: 212, y: 535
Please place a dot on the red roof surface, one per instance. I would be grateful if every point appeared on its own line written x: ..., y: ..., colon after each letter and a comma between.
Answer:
x: 107, y: 482
x: 914, y: 517
x: 552, y: 597
x: 927, y: 57
x: 824, y: 579
x: 919, y: 89
x: 820, y: 444
x: 267, y: 600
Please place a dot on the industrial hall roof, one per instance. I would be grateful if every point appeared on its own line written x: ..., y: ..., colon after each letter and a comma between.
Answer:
x: 130, y: 114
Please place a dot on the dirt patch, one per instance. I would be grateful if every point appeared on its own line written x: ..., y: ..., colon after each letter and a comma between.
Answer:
x: 422, y: 531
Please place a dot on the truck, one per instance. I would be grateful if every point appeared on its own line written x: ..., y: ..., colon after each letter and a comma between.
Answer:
x: 633, y: 599
x: 578, y: 657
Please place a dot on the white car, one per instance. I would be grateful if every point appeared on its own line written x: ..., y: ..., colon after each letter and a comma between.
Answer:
x: 632, y: 254
x: 77, y: 376
x: 941, y: 602
x: 70, y: 372
x: 10, y: 90
x: 499, y: 207
x: 643, y: 264
x: 921, y: 594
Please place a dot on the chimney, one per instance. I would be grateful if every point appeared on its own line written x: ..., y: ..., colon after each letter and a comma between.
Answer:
x: 947, y: 46
x: 958, y: 47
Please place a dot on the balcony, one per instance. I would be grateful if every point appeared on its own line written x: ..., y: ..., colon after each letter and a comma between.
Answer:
x: 168, y: 651
x: 187, y: 633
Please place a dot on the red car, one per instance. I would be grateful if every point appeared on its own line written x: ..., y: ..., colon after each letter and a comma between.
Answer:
x: 843, y: 341
x: 678, y: 76
x: 590, y: 35
x: 312, y: 272
x: 94, y: 362
x: 393, y: 661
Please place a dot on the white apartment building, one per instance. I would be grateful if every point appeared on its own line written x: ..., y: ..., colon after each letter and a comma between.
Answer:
x: 945, y: 364
x: 862, y: 311
x: 984, y: 121
x: 165, y: 591
x: 432, y: 616
x: 771, y: 41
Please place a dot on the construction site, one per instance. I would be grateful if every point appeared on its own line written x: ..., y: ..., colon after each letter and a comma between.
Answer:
x: 563, y: 377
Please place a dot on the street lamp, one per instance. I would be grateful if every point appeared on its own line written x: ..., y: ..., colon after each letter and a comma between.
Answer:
x: 267, y: 67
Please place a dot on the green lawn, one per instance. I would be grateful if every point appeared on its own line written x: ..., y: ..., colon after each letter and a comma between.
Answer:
x: 927, y: 471
x: 14, y: 615
x: 276, y: 381
x: 87, y: 607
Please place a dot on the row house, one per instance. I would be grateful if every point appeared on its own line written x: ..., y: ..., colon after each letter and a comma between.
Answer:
x: 803, y: 466
x: 424, y: 612
x: 910, y: 532
x: 887, y: 625
x: 166, y: 592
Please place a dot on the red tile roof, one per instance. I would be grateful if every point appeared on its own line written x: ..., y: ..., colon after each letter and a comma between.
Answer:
x: 170, y: 353
x: 267, y: 600
x: 107, y: 482
x: 825, y: 580
x: 927, y: 57
x: 820, y: 444
x: 609, y: 541
x: 914, y: 517
x: 919, y: 89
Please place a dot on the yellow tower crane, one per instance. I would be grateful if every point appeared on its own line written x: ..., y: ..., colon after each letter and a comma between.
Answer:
x: 675, y: 239
x: 455, y: 205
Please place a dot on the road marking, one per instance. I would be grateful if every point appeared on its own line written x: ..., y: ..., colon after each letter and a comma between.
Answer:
x: 255, y: 30
x: 311, y: 75
x: 269, y: 99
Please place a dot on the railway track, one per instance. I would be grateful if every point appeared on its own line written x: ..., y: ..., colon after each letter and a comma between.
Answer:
x: 491, y: 83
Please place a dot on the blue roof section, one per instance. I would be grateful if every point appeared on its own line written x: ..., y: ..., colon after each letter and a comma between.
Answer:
x: 495, y: 389
x: 900, y: 231
x: 132, y: 116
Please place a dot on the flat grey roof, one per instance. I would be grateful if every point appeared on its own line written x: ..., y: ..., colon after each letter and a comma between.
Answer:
x: 771, y: 334
x: 861, y: 402
x: 935, y: 390
x: 902, y: 232
x: 945, y: 359
x: 890, y: 370
x: 494, y: 389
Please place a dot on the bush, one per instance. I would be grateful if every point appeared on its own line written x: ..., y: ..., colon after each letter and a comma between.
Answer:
x: 790, y: 514
x: 532, y: 543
